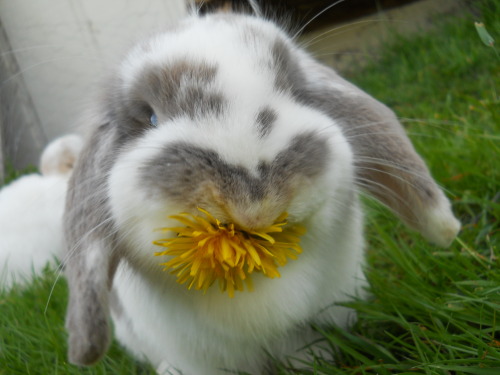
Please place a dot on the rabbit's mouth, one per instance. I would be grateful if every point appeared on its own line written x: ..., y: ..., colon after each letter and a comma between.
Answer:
x: 205, y: 251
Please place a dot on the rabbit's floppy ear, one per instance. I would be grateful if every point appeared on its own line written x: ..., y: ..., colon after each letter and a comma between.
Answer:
x: 90, y: 262
x: 387, y: 165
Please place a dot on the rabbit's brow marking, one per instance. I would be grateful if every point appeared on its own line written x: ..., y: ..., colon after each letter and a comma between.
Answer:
x: 181, y: 88
x: 306, y: 156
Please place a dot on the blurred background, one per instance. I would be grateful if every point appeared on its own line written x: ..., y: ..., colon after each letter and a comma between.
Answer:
x: 54, y: 53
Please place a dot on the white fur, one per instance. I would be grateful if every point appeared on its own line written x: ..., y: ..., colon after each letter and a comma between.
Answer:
x: 439, y: 224
x: 31, y: 210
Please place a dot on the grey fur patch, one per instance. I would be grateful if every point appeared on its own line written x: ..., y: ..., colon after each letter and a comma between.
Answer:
x: 265, y: 121
x: 184, y: 169
x: 307, y: 155
x: 91, y: 220
x: 89, y: 233
x: 182, y: 88
x: 288, y: 75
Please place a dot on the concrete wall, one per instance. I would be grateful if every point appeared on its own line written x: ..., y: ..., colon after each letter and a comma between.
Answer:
x: 62, y: 49
x: 18, y: 118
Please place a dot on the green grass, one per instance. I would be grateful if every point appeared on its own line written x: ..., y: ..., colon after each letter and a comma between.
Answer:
x: 32, y: 334
x: 433, y: 311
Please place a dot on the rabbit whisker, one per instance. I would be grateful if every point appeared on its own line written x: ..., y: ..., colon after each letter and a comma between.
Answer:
x: 294, y: 37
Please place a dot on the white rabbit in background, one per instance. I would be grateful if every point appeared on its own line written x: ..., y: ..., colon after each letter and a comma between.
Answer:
x: 31, y: 210
x: 226, y: 112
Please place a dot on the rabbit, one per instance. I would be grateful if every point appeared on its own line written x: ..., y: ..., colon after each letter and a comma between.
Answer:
x: 31, y: 211
x: 227, y: 113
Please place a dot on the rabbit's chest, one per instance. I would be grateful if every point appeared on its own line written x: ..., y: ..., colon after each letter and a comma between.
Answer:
x: 325, y: 271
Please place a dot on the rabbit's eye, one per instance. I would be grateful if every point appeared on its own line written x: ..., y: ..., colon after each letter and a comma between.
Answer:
x: 153, y: 120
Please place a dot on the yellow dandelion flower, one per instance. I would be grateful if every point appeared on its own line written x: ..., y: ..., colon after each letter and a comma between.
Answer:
x: 206, y: 250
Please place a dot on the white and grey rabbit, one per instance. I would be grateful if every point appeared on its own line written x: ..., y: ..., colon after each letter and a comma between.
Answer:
x: 227, y: 113
x: 31, y: 211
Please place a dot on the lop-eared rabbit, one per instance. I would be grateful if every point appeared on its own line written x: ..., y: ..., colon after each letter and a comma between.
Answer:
x: 225, y: 112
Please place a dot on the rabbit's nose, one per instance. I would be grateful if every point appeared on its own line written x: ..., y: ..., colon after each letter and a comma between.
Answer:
x: 256, y: 215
